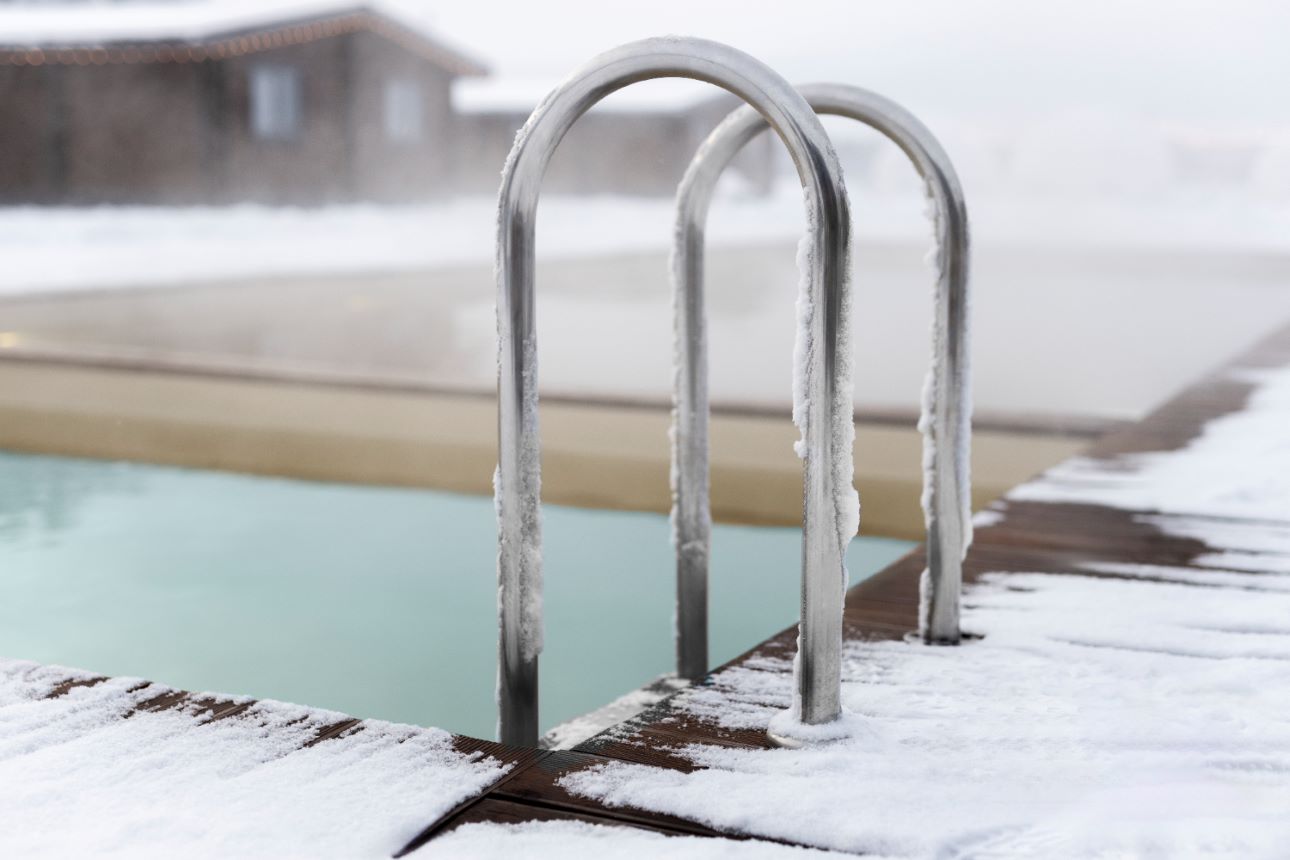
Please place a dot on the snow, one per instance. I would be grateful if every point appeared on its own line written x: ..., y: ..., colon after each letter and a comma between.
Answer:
x: 1242, y: 561
x: 804, y: 343
x: 1097, y: 717
x: 79, y: 779
x: 1229, y: 535
x: 1261, y: 581
x: 807, y: 362
x: 51, y: 249
x: 931, y: 392
x: 1239, y: 467
x: 557, y: 840
x: 570, y: 733
x: 1139, y: 715
x: 98, y: 248
x: 103, y: 22
x: 937, y: 388
x: 988, y: 517
x: 522, y: 540
x: 699, y: 542
x: 530, y: 502
x: 1234, y: 545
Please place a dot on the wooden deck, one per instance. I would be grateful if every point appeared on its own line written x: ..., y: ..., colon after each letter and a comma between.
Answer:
x: 1022, y: 537
x: 1028, y: 537
x: 205, y: 710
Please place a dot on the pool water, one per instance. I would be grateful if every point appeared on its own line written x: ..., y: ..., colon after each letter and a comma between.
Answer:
x: 375, y: 601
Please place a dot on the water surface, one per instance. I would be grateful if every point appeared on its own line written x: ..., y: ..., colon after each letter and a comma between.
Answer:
x: 375, y: 601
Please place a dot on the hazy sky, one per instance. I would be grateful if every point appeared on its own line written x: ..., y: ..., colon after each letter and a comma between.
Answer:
x: 1196, y: 62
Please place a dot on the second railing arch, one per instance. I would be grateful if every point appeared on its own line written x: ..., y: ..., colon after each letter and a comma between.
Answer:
x: 946, y: 422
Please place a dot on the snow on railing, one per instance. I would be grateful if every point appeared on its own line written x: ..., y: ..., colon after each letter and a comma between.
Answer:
x: 947, y: 404
x: 830, y: 507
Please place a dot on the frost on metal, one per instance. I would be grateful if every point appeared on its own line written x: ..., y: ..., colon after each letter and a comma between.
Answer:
x: 523, y: 541
x: 526, y: 594
x: 936, y: 388
x: 698, y: 543
x: 807, y: 361
x: 936, y: 260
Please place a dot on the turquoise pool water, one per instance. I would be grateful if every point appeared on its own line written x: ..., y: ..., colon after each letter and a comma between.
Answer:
x: 375, y: 601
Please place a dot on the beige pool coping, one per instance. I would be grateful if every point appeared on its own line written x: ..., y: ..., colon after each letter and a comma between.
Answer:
x: 594, y: 454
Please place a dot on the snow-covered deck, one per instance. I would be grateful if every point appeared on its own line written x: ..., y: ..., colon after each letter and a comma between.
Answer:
x: 1127, y: 697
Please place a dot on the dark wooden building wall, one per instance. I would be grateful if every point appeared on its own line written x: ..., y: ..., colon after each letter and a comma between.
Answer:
x: 311, y: 167
x: 386, y: 169
x: 32, y: 162
x: 132, y: 132
x: 101, y: 134
x: 163, y: 133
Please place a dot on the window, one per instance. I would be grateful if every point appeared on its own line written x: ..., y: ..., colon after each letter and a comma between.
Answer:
x: 275, y: 102
x: 404, y: 111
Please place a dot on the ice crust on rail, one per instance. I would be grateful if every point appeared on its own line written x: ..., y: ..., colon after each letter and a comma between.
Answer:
x: 527, y: 544
x: 933, y: 396
x: 846, y: 501
x: 962, y: 381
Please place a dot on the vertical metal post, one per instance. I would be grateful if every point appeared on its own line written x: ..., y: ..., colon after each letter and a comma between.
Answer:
x: 518, y: 473
x: 946, y: 420
x: 691, y: 510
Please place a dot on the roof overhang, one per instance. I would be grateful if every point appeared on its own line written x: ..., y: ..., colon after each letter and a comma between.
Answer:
x: 220, y: 33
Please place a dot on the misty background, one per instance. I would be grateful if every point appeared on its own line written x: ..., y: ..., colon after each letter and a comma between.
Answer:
x: 1126, y: 166
x: 243, y: 242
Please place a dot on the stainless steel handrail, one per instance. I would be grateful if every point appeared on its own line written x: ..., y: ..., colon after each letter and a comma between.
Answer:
x: 825, y: 421
x: 947, y: 398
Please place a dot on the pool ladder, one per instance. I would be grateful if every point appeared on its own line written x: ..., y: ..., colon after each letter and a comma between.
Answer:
x: 825, y: 419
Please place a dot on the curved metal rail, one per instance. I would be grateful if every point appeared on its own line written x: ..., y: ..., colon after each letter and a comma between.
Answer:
x: 827, y: 373
x: 947, y: 398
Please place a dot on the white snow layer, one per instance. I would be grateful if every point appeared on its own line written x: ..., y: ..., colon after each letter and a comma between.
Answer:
x: 1097, y: 717
x: 54, y: 249
x: 701, y: 541
x: 49, y: 249
x: 1239, y: 466
x: 808, y: 363
x: 522, y: 540
x: 938, y: 386
x: 558, y: 840
x: 102, y: 23
x: 1143, y: 715
x: 79, y: 779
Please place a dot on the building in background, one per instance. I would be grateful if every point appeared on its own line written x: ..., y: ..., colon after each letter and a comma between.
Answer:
x: 345, y: 104
x: 348, y: 105
x: 637, y: 142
